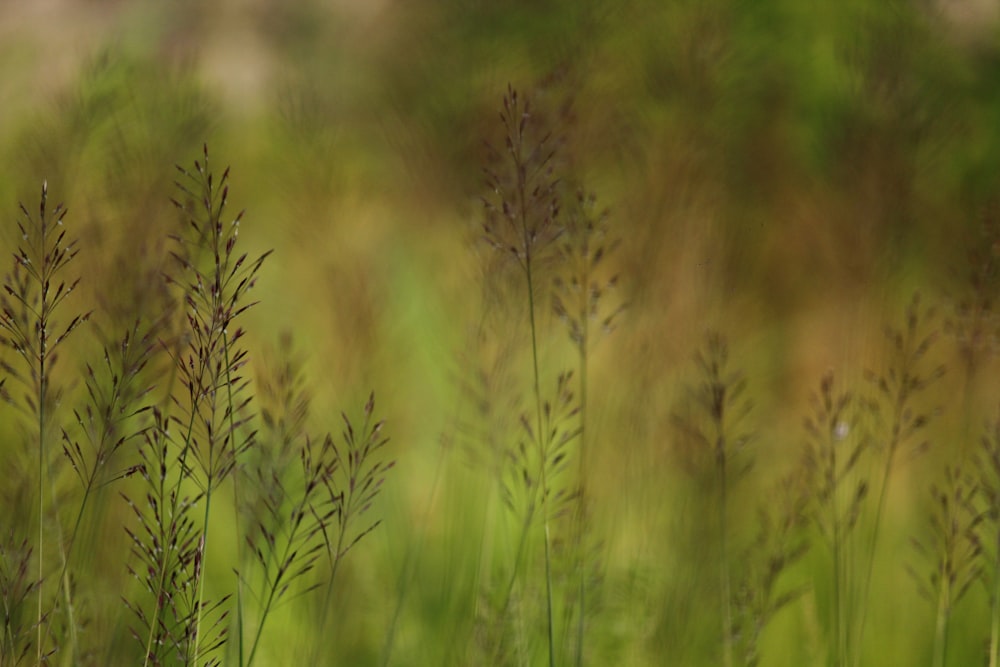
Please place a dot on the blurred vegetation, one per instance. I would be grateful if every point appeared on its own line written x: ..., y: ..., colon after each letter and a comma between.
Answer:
x: 787, y: 173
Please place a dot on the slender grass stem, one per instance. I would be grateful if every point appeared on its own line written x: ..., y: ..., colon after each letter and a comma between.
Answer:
x: 869, y: 571
x: 840, y: 639
x: 160, y: 592
x: 582, y: 506
x: 200, y: 569
x: 31, y: 294
x: 41, y: 505
x: 540, y: 434
x: 941, y: 621
x: 995, y: 607
x: 724, y: 579
x: 895, y: 389
x: 231, y: 409
x: 519, y: 554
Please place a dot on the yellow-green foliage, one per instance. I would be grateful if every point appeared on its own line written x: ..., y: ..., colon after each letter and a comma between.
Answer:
x: 682, y: 436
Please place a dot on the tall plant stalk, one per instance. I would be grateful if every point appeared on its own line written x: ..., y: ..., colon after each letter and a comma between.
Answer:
x: 832, y: 453
x: 895, y: 391
x: 952, y: 548
x: 212, y: 406
x: 215, y: 295
x: 988, y: 461
x: 716, y: 433
x: 522, y: 221
x: 33, y: 291
x: 579, y: 299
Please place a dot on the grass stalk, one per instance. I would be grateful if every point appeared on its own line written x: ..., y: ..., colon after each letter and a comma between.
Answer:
x: 582, y: 503
x: 994, y: 656
x: 896, y: 388
x: 941, y: 624
x: 830, y: 429
x: 32, y: 294
x: 577, y: 300
x: 988, y: 463
x: 720, y: 397
x: 725, y: 591
x: 954, y: 550
x: 544, y: 490
x: 522, y: 223
x: 355, y: 479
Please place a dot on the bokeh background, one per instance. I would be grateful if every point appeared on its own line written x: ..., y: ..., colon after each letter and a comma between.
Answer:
x: 788, y: 173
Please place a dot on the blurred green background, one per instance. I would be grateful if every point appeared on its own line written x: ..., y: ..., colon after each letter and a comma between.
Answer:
x: 786, y: 172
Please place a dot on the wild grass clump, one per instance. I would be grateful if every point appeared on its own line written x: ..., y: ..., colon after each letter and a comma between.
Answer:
x: 522, y: 221
x: 33, y: 292
x: 988, y: 485
x: 169, y: 414
x: 951, y: 548
x: 898, y: 421
x: 238, y: 504
x: 560, y: 247
x: 832, y: 454
x: 714, y: 436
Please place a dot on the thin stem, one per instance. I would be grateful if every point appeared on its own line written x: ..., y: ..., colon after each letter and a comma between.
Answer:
x: 840, y: 638
x: 200, y: 569
x: 540, y: 435
x: 995, y: 608
x: 236, y: 498
x: 724, y: 583
x: 41, y: 502
x: 582, y: 508
x: 518, y: 558
x: 172, y: 517
x: 284, y: 563
x: 879, y: 507
x: 582, y: 347
x: 542, y: 463
x: 941, y: 625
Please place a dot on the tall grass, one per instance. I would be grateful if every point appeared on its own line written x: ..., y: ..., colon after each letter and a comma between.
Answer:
x: 899, y: 421
x: 240, y: 507
x: 583, y: 297
x: 182, y: 450
x: 717, y: 431
x: 832, y: 456
x: 33, y: 291
x: 952, y: 549
x: 522, y: 221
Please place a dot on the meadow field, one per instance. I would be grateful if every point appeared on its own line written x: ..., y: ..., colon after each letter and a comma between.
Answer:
x: 568, y: 332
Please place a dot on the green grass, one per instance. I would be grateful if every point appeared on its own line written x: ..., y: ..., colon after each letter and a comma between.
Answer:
x: 198, y: 472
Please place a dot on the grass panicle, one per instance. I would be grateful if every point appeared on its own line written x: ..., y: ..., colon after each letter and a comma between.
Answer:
x: 355, y: 473
x: 200, y: 438
x: 166, y: 550
x: 178, y: 452
x: 521, y: 491
x: 359, y: 471
x: 215, y: 279
x: 284, y: 408
x: 779, y: 544
x: 33, y: 292
x: 833, y: 450
x: 17, y: 587
x: 713, y: 441
x: 974, y: 320
x: 898, y: 419
x: 988, y: 485
x: 522, y: 210
x: 111, y: 421
x: 522, y: 220
x: 582, y: 290
x: 288, y: 538
x: 952, y: 548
